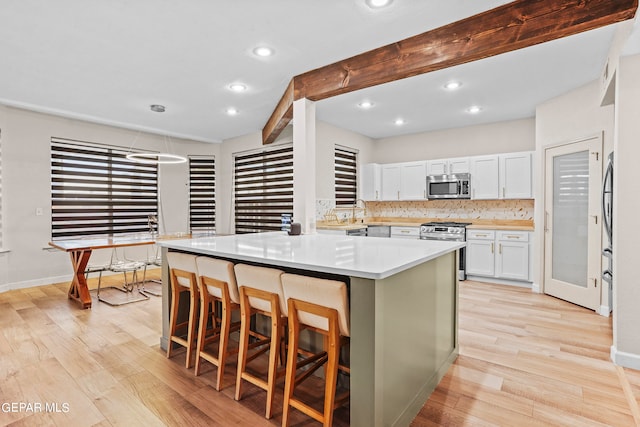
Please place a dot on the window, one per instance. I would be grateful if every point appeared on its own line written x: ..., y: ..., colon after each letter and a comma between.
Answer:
x: 97, y: 191
x: 263, y: 184
x: 202, y: 193
x: 346, y: 171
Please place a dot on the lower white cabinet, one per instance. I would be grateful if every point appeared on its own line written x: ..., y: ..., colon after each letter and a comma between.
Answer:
x: 501, y: 254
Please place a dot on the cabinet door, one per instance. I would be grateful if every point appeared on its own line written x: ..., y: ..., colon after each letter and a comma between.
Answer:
x: 405, y: 232
x: 515, y: 176
x: 413, y: 181
x: 481, y: 257
x: 370, y: 181
x: 459, y: 165
x: 512, y: 260
x: 437, y: 167
x: 391, y: 182
x: 484, y: 177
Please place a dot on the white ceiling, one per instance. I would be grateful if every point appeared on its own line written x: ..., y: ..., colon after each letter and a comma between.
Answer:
x: 107, y: 61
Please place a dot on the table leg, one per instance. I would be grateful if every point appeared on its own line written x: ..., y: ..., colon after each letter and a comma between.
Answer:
x: 79, y: 290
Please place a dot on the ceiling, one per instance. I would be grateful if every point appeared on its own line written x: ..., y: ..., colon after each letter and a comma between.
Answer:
x: 107, y: 62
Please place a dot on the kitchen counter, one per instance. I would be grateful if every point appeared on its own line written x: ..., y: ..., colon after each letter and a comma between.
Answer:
x: 486, y: 224
x: 403, y: 298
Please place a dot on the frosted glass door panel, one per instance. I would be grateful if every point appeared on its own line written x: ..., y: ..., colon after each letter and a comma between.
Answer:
x: 570, y: 218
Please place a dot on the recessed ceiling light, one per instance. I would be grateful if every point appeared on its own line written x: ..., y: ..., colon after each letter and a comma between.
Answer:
x: 399, y: 122
x: 365, y: 104
x: 238, y: 87
x: 232, y: 111
x: 157, y: 108
x: 263, y: 51
x: 376, y: 4
x: 453, y: 85
x: 474, y: 109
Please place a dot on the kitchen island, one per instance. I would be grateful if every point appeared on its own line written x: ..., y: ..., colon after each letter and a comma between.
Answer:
x: 403, y: 302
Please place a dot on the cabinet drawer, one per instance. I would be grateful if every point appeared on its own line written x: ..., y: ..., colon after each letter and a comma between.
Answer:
x: 413, y: 232
x: 513, y: 236
x: 481, y: 234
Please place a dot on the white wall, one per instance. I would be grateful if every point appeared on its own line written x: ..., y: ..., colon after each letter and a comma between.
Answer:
x: 493, y: 138
x: 626, y: 204
x: 26, y: 185
x: 571, y: 117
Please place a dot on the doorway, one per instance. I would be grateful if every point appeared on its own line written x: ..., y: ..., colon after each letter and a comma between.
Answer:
x: 572, y: 222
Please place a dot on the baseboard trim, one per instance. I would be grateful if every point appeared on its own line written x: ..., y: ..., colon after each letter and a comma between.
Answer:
x: 495, y: 280
x: 33, y: 283
x: 627, y: 360
x: 604, y: 311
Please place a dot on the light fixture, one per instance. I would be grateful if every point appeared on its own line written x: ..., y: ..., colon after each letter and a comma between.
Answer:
x: 156, y: 158
x: 377, y: 4
x: 453, y: 85
x: 232, y: 111
x: 365, y: 105
x: 399, y: 122
x: 157, y: 108
x: 474, y: 109
x: 237, y: 87
x: 152, y: 158
x: 263, y: 51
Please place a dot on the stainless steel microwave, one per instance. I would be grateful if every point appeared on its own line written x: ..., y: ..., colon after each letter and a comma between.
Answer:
x: 456, y: 186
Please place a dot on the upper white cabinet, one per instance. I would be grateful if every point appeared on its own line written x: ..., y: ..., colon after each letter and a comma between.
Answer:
x: 404, y: 181
x: 448, y: 166
x: 501, y: 176
x: 515, y: 175
x: 485, y: 183
x: 370, y: 181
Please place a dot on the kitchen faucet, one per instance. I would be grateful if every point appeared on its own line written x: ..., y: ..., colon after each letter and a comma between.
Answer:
x: 353, y: 209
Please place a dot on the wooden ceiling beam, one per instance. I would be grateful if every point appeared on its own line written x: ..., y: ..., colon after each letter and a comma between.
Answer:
x: 516, y: 25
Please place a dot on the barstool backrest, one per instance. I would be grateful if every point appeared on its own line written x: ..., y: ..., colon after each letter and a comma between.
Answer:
x: 265, y: 279
x: 220, y: 270
x: 327, y: 293
x: 185, y: 262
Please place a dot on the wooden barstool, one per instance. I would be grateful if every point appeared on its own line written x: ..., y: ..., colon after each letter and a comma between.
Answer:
x: 217, y: 284
x: 260, y: 292
x: 183, y: 274
x: 320, y: 305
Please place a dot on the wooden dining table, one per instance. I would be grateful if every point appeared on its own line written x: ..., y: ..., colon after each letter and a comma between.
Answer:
x: 80, y: 251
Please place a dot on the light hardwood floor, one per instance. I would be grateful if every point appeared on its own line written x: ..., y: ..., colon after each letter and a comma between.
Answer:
x: 525, y: 359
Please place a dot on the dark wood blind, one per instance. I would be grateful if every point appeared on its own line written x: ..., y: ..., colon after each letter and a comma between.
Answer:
x: 202, y: 193
x: 263, y: 189
x: 346, y: 170
x: 96, y: 190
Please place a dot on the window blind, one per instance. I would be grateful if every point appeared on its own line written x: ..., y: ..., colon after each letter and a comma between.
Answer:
x: 346, y: 173
x: 96, y: 190
x: 202, y: 193
x: 263, y: 185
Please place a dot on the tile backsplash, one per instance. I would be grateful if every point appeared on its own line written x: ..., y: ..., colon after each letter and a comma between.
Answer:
x: 521, y: 209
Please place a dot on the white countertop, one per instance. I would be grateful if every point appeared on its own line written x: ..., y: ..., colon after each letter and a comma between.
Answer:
x: 366, y: 257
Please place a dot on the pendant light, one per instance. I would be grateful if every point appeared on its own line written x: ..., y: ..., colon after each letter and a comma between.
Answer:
x: 153, y: 158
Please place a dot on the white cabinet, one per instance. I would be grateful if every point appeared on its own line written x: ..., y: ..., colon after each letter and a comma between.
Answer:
x: 391, y: 181
x: 501, y: 254
x: 512, y: 259
x: 405, y: 232
x: 502, y: 176
x: 448, y: 166
x: 413, y: 181
x: 370, y: 181
x: 404, y: 181
x: 485, y: 181
x: 481, y: 252
x: 515, y: 175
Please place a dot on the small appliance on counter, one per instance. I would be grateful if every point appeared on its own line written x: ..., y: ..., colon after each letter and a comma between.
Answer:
x: 456, y: 186
x: 449, y: 231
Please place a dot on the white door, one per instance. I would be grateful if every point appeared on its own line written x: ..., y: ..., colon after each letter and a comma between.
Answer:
x: 515, y: 176
x: 391, y: 182
x: 484, y: 177
x: 572, y: 261
x: 481, y: 257
x: 413, y: 181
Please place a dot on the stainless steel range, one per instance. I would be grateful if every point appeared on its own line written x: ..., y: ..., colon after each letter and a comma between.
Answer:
x: 450, y: 231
